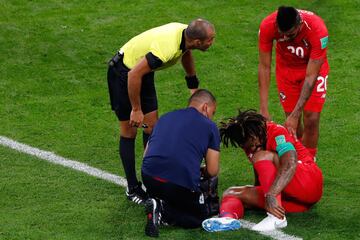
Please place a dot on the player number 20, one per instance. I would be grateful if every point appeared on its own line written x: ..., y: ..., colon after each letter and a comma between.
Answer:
x: 299, y: 51
x: 321, y: 87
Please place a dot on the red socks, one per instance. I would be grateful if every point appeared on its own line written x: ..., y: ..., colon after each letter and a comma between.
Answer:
x: 232, y: 207
x: 266, y: 171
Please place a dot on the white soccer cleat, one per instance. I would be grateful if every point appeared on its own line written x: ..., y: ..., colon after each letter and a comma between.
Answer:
x: 218, y: 224
x: 270, y: 223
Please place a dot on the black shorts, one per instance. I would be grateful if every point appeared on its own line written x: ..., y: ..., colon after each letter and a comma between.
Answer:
x: 117, y: 77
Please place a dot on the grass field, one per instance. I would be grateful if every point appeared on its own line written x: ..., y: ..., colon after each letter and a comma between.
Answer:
x: 53, y: 96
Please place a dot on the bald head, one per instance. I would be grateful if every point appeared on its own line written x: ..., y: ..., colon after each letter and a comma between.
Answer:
x: 204, y: 102
x: 199, y: 29
x: 202, y: 96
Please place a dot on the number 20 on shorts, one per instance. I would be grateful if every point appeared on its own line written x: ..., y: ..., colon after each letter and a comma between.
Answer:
x: 322, y: 83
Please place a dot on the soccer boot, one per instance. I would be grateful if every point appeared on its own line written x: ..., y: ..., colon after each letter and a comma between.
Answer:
x: 217, y: 224
x: 136, y: 194
x: 153, y: 215
x: 270, y: 223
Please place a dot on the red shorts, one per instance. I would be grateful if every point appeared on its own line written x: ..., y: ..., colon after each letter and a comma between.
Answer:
x: 304, y: 190
x: 290, y: 82
x: 306, y: 186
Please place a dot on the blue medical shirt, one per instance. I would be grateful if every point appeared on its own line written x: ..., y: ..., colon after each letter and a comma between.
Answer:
x: 177, y: 146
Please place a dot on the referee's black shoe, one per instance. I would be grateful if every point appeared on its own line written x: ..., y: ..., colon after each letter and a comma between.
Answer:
x: 153, y: 215
x: 136, y: 194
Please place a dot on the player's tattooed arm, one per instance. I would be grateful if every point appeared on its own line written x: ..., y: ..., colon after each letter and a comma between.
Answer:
x: 272, y: 206
x: 286, y: 171
x: 312, y: 72
x: 264, y: 73
x: 284, y: 175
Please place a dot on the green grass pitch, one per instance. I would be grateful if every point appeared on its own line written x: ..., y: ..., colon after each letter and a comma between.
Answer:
x: 53, y: 96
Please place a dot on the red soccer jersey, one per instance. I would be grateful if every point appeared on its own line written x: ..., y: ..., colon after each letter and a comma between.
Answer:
x: 277, y: 134
x: 310, y: 43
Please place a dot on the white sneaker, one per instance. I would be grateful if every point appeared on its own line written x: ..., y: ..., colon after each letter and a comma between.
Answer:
x: 270, y: 223
x: 218, y: 224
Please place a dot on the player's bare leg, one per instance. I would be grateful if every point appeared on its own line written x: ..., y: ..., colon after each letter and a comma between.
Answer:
x: 249, y: 196
x: 311, y: 131
x: 252, y: 196
x: 235, y: 199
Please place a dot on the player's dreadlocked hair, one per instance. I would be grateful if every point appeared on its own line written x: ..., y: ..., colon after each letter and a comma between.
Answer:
x: 246, y: 125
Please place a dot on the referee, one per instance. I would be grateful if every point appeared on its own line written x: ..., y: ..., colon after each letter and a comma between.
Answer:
x: 131, y: 83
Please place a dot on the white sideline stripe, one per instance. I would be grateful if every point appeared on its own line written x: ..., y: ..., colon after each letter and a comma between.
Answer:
x: 53, y: 158
x: 82, y: 167
x: 277, y: 234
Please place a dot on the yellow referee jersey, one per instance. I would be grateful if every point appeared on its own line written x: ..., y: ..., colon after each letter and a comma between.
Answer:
x: 163, y: 42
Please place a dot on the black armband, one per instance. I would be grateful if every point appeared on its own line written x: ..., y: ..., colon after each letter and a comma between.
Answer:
x: 192, y: 82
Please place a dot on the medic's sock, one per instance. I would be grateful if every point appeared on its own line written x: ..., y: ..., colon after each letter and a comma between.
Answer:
x: 232, y: 207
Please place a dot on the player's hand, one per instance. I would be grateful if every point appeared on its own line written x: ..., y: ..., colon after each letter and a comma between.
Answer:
x: 272, y: 206
x: 136, y: 118
x: 291, y: 125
